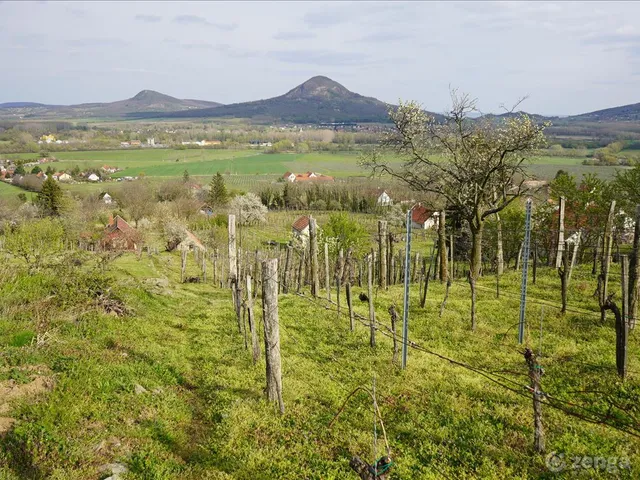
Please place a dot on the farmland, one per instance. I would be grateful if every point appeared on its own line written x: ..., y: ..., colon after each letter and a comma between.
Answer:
x: 250, y: 169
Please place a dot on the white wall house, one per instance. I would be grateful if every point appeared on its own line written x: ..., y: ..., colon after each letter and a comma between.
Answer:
x: 384, y: 200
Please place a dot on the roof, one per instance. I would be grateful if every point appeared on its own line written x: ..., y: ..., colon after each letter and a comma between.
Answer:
x: 118, y: 224
x: 307, y: 176
x: 193, y: 240
x: 421, y: 214
x: 301, y: 223
x: 287, y: 175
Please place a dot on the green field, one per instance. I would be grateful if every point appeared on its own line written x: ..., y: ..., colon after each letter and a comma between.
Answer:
x: 206, y: 162
x: 250, y: 170
x: 7, y: 190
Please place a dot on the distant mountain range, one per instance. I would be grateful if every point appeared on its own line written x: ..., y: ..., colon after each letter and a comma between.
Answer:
x: 318, y: 100
x: 145, y: 101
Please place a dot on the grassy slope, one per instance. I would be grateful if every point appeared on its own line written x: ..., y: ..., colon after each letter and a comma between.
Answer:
x: 209, y: 419
x: 7, y: 190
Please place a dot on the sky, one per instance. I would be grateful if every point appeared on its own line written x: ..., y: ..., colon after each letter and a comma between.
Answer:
x: 565, y: 57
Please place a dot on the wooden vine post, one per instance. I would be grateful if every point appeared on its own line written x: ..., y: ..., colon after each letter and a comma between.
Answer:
x: 535, y: 373
x: 327, y: 281
x: 622, y: 325
x: 560, y: 242
x: 499, y: 249
x: 563, y: 272
x: 204, y: 267
x: 634, y: 273
x: 394, y: 321
x: 442, y: 246
x: 233, y: 253
x: 183, y: 265
x: 313, y: 252
x: 338, y: 272
x: 603, y: 281
x: 287, y: 270
x: 382, y: 254
x: 255, y: 344
x: 391, y: 261
x: 574, y: 256
x: 272, y: 331
x: 372, y: 313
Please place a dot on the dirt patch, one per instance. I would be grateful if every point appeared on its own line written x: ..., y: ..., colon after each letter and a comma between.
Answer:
x: 11, y: 390
x: 5, y: 424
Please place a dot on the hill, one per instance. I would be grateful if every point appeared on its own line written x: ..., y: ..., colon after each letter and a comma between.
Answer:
x: 318, y: 100
x: 624, y: 113
x: 21, y: 104
x: 144, y: 101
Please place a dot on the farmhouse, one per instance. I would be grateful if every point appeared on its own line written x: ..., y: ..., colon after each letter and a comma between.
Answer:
x: 190, y: 242
x: 300, y: 229
x: 106, y: 198
x: 109, y: 169
x: 119, y: 235
x: 93, y: 177
x: 422, y: 218
x: 384, y: 200
x: 305, y: 177
x: 62, y: 177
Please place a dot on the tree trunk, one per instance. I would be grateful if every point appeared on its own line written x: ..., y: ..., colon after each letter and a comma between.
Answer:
x: 475, y: 266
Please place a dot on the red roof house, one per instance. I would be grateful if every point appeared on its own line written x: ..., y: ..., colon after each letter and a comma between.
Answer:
x: 422, y: 218
x: 119, y: 235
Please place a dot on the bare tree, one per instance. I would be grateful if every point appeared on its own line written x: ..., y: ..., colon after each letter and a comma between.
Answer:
x: 461, y: 160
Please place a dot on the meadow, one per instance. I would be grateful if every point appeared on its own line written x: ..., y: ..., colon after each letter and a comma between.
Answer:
x: 170, y: 390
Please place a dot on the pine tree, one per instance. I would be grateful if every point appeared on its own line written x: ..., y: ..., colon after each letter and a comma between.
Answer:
x: 185, y: 176
x: 218, y: 194
x: 49, y: 199
x: 287, y: 196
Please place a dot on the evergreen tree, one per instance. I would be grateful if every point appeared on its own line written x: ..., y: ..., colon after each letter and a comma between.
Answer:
x: 185, y: 176
x: 50, y: 170
x: 35, y: 170
x: 20, y: 170
x: 49, y: 199
x: 218, y: 194
x: 287, y: 196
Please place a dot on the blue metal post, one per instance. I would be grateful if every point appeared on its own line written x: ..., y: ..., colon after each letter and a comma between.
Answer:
x: 525, y: 270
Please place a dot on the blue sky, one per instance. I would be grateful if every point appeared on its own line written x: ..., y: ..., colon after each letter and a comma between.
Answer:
x: 568, y: 57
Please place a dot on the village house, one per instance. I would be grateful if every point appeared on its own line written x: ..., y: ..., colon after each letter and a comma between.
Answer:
x: 305, y: 177
x: 106, y: 198
x: 62, y: 177
x: 384, y: 200
x: 422, y: 218
x: 93, y: 177
x: 190, y: 242
x: 108, y: 169
x: 300, y: 229
x: 135, y: 143
x: 119, y: 235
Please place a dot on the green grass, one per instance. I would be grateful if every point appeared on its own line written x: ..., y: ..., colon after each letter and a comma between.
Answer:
x: 204, y: 415
x: 10, y: 191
